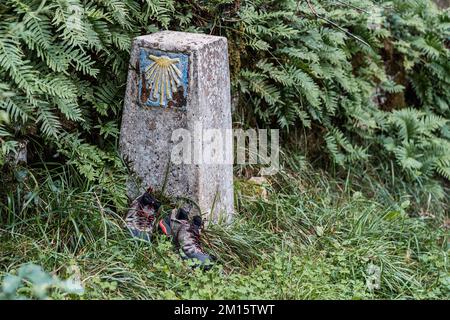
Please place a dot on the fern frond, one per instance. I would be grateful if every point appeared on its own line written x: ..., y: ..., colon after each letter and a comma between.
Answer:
x: 49, y: 122
x: 11, y: 60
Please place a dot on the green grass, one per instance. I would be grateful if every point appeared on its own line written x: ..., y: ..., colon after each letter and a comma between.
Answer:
x: 301, y: 235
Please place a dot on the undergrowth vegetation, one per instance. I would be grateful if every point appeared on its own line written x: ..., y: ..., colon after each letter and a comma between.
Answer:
x: 297, y: 236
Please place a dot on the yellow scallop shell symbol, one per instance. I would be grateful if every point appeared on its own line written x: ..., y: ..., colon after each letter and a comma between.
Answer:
x: 164, y: 77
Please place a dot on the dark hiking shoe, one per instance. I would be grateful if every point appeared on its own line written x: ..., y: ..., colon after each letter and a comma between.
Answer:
x: 186, y: 236
x: 140, y: 219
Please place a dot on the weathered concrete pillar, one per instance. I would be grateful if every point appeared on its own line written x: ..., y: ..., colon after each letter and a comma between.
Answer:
x: 178, y: 81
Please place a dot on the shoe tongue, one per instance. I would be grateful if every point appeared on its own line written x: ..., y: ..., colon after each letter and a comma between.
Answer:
x: 182, y: 214
x: 197, y: 221
x: 146, y: 199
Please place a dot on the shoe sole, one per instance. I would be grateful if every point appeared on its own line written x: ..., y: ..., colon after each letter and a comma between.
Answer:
x: 140, y: 234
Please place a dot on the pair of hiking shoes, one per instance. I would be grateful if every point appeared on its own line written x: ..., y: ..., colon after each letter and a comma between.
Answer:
x: 184, y: 232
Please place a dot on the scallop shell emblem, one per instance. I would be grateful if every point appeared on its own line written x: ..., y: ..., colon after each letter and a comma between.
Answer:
x: 163, y: 77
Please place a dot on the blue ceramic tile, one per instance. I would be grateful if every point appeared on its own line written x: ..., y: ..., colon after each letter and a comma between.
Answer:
x: 163, y: 80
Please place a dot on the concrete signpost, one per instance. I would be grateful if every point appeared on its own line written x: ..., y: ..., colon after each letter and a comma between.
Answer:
x: 178, y: 86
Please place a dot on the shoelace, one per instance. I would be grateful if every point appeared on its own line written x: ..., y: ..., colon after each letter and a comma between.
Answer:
x: 195, y: 232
